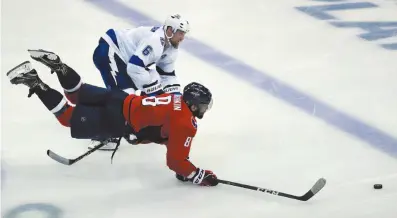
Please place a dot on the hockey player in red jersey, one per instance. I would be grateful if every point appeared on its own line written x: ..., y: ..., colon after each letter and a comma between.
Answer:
x: 168, y: 119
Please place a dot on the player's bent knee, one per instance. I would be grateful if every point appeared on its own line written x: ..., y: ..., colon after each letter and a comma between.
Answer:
x: 73, y: 97
x: 65, y: 117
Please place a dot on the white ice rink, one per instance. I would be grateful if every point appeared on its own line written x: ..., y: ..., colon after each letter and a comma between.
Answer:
x: 256, y: 133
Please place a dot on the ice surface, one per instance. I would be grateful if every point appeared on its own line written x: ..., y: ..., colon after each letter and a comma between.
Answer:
x: 249, y: 136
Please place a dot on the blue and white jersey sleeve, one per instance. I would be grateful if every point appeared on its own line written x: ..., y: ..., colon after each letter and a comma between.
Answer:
x: 147, y: 52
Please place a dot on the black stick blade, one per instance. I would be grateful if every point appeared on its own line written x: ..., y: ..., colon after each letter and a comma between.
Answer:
x: 58, y: 158
x: 316, y: 188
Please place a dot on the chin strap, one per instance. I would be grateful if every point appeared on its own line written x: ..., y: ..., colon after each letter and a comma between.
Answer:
x: 168, y: 37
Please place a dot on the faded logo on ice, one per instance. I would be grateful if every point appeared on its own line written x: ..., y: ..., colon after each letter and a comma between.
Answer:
x: 48, y: 210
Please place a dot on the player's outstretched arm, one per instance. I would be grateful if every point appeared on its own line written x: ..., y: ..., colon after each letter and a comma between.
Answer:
x: 178, y: 149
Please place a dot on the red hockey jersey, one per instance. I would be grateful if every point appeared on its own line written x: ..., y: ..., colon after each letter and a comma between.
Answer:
x: 164, y: 119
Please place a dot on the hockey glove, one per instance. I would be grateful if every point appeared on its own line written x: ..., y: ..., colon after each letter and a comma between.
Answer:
x: 204, y: 178
x: 173, y: 89
x: 153, y: 89
x: 132, y: 139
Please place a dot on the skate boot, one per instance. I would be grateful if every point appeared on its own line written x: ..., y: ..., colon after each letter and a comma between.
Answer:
x: 26, y: 75
x: 112, y: 143
x: 50, y: 59
x: 109, y: 144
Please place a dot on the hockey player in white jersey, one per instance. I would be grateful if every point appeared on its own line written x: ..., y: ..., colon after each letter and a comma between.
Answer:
x: 142, y: 58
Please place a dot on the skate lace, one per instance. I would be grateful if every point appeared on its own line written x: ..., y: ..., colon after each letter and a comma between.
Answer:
x: 115, y: 149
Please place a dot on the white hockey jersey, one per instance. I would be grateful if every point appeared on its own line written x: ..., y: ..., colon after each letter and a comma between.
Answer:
x: 142, y: 48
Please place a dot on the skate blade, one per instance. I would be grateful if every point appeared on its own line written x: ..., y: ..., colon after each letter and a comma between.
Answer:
x: 102, y: 149
x: 40, y: 53
x: 22, y: 68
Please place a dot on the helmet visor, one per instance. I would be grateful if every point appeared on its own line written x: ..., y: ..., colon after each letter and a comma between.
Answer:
x: 203, y: 107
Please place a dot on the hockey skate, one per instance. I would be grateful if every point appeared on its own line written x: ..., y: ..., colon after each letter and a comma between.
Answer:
x: 26, y: 75
x: 50, y: 59
x: 112, y: 143
x: 109, y: 144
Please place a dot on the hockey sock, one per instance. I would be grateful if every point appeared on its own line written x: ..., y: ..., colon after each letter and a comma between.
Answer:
x: 51, y: 98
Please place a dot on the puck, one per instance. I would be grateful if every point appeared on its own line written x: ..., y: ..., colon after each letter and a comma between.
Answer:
x: 378, y: 186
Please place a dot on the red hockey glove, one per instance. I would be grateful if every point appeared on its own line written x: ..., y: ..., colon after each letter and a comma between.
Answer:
x: 204, y: 178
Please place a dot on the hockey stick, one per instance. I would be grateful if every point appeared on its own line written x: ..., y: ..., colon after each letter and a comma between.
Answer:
x: 66, y: 161
x: 316, y: 188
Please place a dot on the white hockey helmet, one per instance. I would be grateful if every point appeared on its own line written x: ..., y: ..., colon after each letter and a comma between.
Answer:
x: 176, y: 22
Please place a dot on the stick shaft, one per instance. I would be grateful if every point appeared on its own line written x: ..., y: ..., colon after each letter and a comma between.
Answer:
x: 66, y: 161
x: 265, y: 190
